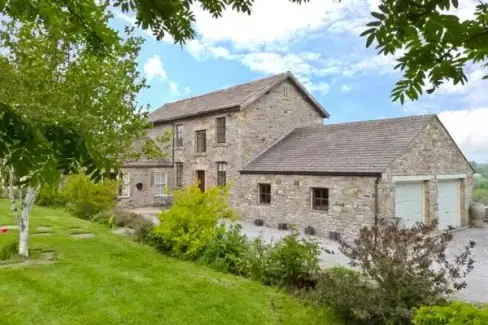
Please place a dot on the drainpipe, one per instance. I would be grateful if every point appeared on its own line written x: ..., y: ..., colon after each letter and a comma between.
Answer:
x: 376, y: 199
x: 376, y: 205
x: 173, y: 146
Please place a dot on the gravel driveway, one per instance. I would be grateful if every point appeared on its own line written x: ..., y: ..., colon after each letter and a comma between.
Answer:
x: 477, y: 290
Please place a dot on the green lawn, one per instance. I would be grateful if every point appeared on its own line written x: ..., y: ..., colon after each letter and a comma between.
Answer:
x: 113, y: 280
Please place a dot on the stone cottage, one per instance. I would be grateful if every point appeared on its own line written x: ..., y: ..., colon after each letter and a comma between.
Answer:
x: 268, y: 140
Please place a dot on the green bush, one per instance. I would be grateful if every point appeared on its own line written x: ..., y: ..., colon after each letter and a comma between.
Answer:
x: 290, y: 262
x: 9, y: 250
x: 456, y: 313
x: 347, y: 292
x: 85, y: 198
x: 226, y: 251
x: 118, y: 217
x: 50, y: 196
x: 191, y: 223
x: 407, y: 267
x: 143, y: 231
x: 481, y: 195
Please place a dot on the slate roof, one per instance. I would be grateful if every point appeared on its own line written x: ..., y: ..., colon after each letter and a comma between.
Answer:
x: 237, y: 97
x: 365, y: 147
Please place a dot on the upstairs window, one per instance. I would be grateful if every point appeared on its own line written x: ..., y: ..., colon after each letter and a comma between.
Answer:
x: 264, y: 193
x: 320, y: 199
x: 159, y: 184
x: 221, y: 130
x: 179, y: 174
x: 286, y: 91
x: 124, y: 185
x: 179, y: 135
x: 221, y: 173
x: 201, y: 140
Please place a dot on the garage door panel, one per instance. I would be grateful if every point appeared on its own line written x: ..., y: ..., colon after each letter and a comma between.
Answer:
x: 448, y: 203
x: 409, y: 203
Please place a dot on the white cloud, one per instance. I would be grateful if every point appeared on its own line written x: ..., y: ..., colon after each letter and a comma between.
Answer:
x: 322, y: 88
x: 154, y: 68
x: 346, y: 88
x: 173, y: 86
x: 468, y: 128
x: 277, y: 22
x: 472, y: 93
x: 187, y: 90
x: 132, y: 22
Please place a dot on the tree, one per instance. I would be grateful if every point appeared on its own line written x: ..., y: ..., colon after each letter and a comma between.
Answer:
x: 435, y: 46
x: 50, y: 79
x: 39, y: 153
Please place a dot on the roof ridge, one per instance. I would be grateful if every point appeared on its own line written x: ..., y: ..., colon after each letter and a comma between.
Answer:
x: 409, y: 117
x: 222, y: 89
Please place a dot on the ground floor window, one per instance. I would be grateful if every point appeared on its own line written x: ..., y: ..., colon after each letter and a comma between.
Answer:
x: 320, y: 198
x: 264, y: 193
x: 159, y: 184
x: 124, y: 185
x: 221, y: 173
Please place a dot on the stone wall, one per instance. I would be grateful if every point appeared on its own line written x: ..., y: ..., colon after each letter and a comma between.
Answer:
x: 432, y: 153
x: 271, y: 117
x: 248, y: 133
x: 146, y: 196
x: 351, y: 202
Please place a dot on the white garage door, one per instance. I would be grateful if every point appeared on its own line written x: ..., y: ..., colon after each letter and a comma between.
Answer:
x: 448, y: 204
x: 409, y: 203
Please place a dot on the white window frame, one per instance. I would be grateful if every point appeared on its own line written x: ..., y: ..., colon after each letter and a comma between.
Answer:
x: 125, y: 184
x: 159, y: 183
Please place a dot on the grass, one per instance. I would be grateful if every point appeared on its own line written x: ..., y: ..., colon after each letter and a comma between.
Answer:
x: 110, y: 279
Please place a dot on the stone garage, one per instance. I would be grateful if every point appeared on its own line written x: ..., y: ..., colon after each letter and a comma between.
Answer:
x: 337, y: 178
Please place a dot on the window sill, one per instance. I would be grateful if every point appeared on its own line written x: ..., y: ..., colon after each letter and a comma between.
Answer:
x: 224, y: 144
x: 200, y: 153
x: 123, y: 197
x: 178, y: 147
x: 321, y: 210
x: 264, y: 204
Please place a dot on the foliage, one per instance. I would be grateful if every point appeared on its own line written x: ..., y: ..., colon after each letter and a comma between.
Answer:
x: 51, y: 196
x: 433, y: 44
x: 408, y: 266
x: 86, y: 198
x: 118, y: 217
x: 481, y: 195
x: 347, y: 292
x: 86, y: 20
x: 142, y: 232
x: 8, y: 250
x: 192, y: 221
x: 456, y: 313
x: 39, y: 152
x: 226, y: 251
x: 290, y: 262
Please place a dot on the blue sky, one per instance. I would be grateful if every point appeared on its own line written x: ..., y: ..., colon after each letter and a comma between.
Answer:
x: 319, y: 43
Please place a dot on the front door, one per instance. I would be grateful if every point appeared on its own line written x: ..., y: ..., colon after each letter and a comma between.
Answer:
x: 201, y: 180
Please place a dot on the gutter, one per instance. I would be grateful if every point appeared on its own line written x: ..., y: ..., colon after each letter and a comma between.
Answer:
x: 196, y: 114
x: 310, y: 173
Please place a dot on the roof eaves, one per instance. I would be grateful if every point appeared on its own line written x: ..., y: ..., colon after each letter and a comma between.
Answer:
x: 309, y: 173
x: 194, y: 114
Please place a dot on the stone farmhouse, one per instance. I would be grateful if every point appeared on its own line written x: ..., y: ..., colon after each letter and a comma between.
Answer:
x: 268, y: 140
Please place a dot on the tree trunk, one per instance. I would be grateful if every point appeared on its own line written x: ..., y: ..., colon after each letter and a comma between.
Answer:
x: 11, y: 194
x: 30, y: 198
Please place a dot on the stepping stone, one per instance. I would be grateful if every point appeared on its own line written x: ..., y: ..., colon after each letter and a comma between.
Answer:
x: 124, y: 231
x: 82, y: 235
x: 46, y: 233
x: 44, y: 229
x: 9, y: 227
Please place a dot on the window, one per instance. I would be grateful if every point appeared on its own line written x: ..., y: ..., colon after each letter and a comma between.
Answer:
x: 201, y: 141
x: 265, y: 193
x: 159, y: 184
x: 320, y: 199
x: 221, y: 170
x: 179, y: 174
x: 124, y: 185
x: 285, y: 91
x: 221, y: 130
x: 179, y: 135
